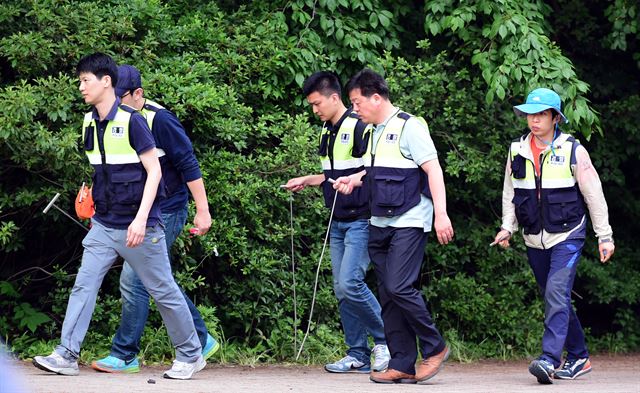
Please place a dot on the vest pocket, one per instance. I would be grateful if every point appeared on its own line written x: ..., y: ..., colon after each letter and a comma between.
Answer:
x: 127, y: 187
x: 525, y: 210
x: 563, y: 207
x: 389, y: 190
x: 519, y: 167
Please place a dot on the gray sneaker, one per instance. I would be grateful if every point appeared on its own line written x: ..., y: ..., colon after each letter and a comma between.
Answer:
x: 184, y: 370
x: 347, y: 364
x: 55, y: 363
x: 381, y: 357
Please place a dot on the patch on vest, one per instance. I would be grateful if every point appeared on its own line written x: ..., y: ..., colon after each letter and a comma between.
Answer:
x: 117, y: 132
x: 344, y: 138
x: 391, y: 138
x: 556, y: 160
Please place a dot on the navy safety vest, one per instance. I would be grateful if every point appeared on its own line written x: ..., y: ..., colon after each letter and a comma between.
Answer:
x: 396, y: 182
x: 339, y: 157
x: 119, y: 176
x: 560, y: 206
x: 173, y: 180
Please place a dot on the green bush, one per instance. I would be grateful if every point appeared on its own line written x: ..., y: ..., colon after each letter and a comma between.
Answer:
x: 232, y: 72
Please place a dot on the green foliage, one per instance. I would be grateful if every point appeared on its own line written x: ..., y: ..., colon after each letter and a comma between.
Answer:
x: 232, y: 73
x: 510, y: 43
x: 623, y: 14
x: 8, y: 239
x: 24, y: 315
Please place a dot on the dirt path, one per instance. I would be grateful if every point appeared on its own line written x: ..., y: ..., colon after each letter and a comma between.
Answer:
x: 610, y: 374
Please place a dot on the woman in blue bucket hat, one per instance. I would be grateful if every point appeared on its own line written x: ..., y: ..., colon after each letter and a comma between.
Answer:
x: 549, y: 181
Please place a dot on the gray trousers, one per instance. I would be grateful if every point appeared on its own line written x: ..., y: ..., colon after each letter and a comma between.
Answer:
x: 150, y: 261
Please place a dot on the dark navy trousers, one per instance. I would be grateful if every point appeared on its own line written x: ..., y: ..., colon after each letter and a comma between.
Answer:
x: 397, y: 255
x: 555, y: 270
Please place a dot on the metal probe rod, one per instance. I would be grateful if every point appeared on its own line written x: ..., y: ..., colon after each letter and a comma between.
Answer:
x: 53, y: 204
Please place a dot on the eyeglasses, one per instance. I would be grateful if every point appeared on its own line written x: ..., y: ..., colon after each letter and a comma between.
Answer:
x: 125, y: 94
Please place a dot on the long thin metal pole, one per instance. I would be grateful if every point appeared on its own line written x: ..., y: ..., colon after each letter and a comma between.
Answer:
x: 52, y: 203
x: 73, y: 219
x: 315, y: 285
x: 293, y: 273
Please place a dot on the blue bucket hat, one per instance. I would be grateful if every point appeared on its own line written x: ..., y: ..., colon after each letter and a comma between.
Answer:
x: 537, y: 101
x: 128, y: 79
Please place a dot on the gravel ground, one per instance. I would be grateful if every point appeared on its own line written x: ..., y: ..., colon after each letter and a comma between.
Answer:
x: 610, y: 374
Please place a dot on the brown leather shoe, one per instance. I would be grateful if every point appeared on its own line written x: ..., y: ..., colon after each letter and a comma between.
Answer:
x: 429, y: 367
x: 392, y: 376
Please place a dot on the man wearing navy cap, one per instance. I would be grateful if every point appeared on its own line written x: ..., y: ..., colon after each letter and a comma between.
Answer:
x: 549, y: 180
x: 126, y: 179
x: 181, y: 174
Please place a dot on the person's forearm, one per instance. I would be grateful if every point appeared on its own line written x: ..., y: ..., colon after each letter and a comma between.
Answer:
x: 592, y: 193
x: 436, y: 186
x: 314, y: 180
x: 598, y: 210
x: 149, y: 160
x: 196, y: 187
x: 356, y: 178
x: 149, y: 193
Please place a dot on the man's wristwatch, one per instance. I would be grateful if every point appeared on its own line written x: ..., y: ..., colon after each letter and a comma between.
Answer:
x: 605, y: 240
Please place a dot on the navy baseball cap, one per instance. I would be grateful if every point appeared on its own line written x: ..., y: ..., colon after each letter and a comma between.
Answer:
x: 128, y: 79
x: 537, y: 101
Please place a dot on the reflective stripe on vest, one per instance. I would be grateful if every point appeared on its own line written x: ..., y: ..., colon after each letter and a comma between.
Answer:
x: 557, y: 168
x: 149, y: 111
x: 342, y: 148
x: 338, y: 161
x: 172, y: 179
x: 388, y: 153
x: 396, y: 182
x: 119, y: 181
x: 117, y: 148
x: 553, y: 202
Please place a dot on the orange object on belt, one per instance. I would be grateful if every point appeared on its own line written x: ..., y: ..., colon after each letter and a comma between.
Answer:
x: 84, y: 203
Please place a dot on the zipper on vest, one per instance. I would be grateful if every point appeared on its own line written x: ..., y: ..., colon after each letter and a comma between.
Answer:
x: 539, y: 194
x: 103, y: 158
x: 332, y: 143
x: 373, y: 160
x: 373, y: 153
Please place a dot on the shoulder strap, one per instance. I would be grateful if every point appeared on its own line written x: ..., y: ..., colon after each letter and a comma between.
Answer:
x: 126, y: 108
x: 403, y: 115
x: 574, y: 145
x: 151, y: 107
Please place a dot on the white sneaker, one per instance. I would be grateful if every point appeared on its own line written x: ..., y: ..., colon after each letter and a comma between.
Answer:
x: 381, y: 357
x: 55, y: 363
x: 184, y: 370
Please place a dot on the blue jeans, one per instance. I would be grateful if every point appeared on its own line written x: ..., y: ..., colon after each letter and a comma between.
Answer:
x: 135, y: 298
x: 555, y: 269
x: 359, y: 308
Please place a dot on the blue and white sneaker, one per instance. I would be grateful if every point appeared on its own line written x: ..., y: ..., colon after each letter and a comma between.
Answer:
x: 381, y: 357
x: 55, y: 363
x: 542, y: 370
x: 210, y: 348
x: 112, y: 364
x: 572, y: 369
x: 348, y: 364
